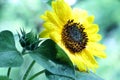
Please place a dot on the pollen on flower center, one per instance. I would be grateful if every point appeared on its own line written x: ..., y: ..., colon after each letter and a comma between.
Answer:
x: 74, y: 37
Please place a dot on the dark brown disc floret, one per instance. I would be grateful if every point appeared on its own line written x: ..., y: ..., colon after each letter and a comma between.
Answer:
x: 74, y: 37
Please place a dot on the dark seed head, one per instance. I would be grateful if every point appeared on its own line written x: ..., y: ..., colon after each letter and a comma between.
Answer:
x: 74, y: 37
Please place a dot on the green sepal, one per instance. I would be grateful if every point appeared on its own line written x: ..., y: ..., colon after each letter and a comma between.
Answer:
x: 28, y: 41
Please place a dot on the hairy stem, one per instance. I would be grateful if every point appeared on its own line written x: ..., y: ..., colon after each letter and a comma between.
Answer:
x: 28, y: 70
x: 9, y: 70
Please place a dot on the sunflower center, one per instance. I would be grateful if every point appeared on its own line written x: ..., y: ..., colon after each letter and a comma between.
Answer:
x: 74, y: 33
x: 74, y: 37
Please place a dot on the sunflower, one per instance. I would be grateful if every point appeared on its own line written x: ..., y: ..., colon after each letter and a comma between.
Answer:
x: 73, y: 30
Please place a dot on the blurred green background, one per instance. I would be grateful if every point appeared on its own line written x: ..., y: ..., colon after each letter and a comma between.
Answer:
x: 16, y: 14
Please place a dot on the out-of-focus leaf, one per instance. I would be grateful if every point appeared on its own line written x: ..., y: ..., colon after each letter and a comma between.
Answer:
x: 9, y: 56
x: 87, y: 76
x: 4, y: 78
x: 53, y: 58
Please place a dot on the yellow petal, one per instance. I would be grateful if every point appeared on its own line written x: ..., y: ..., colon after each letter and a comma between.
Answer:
x: 50, y: 26
x: 96, y: 46
x: 52, y: 17
x: 92, y: 29
x: 90, y: 19
x: 89, y: 59
x: 100, y: 54
x: 75, y: 58
x: 62, y: 10
x: 96, y: 49
x: 78, y: 60
x: 79, y: 15
x: 44, y: 34
x: 44, y: 17
x: 94, y: 37
x: 55, y: 36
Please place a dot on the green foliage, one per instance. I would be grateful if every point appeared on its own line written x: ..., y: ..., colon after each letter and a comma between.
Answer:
x: 4, y: 78
x: 47, y: 56
x: 9, y: 56
x: 51, y: 76
x: 59, y: 66
x: 78, y: 76
x: 87, y: 76
x: 15, y: 14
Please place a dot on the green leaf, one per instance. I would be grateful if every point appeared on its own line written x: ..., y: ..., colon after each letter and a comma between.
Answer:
x: 4, y: 78
x: 53, y: 58
x: 87, y: 76
x: 9, y: 56
x: 51, y: 76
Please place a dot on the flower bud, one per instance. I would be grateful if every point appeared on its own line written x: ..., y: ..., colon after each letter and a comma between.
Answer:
x: 28, y: 41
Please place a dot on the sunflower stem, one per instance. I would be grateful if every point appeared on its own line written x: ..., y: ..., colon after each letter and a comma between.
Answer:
x: 28, y: 70
x: 8, y: 73
x: 37, y: 74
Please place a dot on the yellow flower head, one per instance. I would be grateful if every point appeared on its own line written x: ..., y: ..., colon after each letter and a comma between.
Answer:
x: 73, y: 30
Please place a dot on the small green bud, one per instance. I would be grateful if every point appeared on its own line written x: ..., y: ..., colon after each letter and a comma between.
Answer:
x: 28, y: 41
